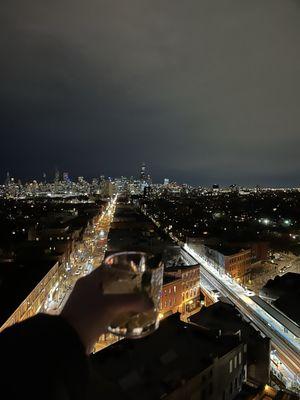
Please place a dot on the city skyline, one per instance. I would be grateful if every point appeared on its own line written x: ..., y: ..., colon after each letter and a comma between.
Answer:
x: 50, y: 178
x: 150, y: 190
x: 205, y: 93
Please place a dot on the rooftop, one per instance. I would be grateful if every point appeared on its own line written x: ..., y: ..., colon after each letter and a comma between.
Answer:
x: 223, y: 316
x: 286, y: 282
x: 288, y: 304
x: 227, y: 250
x: 153, y: 366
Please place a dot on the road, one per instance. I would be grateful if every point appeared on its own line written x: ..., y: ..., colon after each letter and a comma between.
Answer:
x: 268, y: 270
x: 286, y: 344
x: 87, y: 255
x: 51, y: 293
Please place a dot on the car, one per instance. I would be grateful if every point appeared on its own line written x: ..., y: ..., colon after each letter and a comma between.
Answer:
x: 250, y: 293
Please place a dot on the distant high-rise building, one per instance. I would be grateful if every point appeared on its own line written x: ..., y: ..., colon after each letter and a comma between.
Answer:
x: 147, y: 191
x: 66, y: 177
x: 143, y: 173
x: 44, y: 177
x: 56, y: 176
x: 166, y: 181
x: 149, y: 179
x: 7, y: 179
x: 234, y: 188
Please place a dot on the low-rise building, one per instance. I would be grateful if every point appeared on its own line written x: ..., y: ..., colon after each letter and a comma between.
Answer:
x: 190, y: 286
x: 171, y: 296
x: 235, y: 258
x: 227, y: 259
x: 225, y: 318
x: 178, y: 361
x: 284, y: 294
x: 237, y: 263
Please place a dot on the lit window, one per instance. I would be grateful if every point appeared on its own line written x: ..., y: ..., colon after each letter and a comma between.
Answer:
x: 240, y: 357
x: 230, y: 366
x: 235, y: 361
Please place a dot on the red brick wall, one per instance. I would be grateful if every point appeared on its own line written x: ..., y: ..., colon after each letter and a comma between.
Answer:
x: 237, y: 264
x: 260, y: 250
x: 171, y: 296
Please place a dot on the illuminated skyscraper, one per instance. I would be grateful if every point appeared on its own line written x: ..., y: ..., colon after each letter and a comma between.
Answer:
x: 7, y: 180
x: 66, y: 177
x: 56, y: 177
x: 143, y: 172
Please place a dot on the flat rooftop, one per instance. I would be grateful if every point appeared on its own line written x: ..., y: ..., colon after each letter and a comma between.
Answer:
x: 227, y: 250
x: 154, y: 366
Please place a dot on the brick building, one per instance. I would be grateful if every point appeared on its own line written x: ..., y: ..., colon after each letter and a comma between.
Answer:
x: 235, y: 258
x: 189, y: 276
x: 237, y: 262
x: 171, y: 296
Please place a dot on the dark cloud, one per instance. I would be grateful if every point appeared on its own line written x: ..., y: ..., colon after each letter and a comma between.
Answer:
x: 203, y: 91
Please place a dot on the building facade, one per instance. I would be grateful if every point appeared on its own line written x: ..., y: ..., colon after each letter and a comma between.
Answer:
x: 171, y: 297
x: 189, y: 275
x: 238, y: 264
x: 180, y: 361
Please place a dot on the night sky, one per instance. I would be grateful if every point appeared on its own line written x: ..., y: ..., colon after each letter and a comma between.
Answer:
x: 203, y: 91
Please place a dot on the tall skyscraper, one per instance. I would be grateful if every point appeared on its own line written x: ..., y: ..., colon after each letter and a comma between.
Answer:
x: 7, y: 179
x: 143, y: 173
x: 66, y: 177
x: 56, y: 176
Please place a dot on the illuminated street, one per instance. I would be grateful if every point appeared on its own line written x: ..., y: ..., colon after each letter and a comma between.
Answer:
x: 284, y: 334
x: 88, y: 255
x: 286, y: 342
x: 52, y: 292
